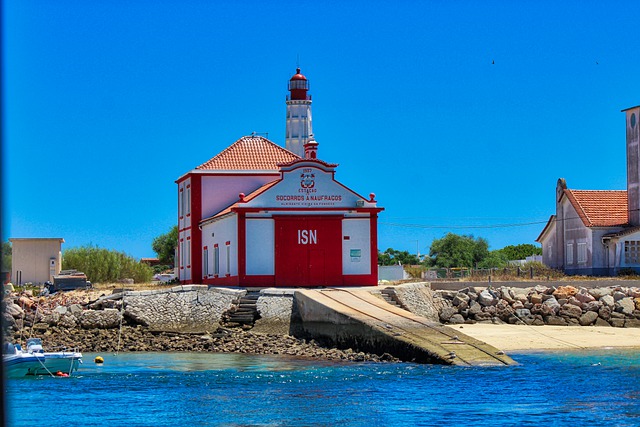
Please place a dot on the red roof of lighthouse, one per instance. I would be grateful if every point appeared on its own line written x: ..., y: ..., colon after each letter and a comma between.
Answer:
x: 298, y: 76
x: 250, y: 153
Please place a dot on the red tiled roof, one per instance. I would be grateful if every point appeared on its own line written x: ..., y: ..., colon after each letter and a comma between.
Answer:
x: 250, y: 153
x: 600, y: 208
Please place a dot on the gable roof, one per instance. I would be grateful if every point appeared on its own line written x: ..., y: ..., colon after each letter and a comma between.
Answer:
x: 250, y: 153
x: 600, y: 208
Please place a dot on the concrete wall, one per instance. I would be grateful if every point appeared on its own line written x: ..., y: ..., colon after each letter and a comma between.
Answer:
x: 191, y: 308
x: 35, y: 260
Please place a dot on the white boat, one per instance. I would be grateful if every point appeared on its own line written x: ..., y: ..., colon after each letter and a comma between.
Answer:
x: 19, y: 363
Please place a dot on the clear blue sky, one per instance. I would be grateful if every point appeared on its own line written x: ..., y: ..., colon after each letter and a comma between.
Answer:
x: 459, y: 115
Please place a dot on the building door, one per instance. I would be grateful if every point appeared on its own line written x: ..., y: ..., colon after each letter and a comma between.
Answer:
x: 308, y: 251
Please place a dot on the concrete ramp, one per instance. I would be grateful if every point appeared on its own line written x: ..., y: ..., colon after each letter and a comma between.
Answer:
x: 358, y: 319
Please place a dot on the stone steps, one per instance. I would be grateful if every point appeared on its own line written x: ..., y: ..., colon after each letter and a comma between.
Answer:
x: 244, y: 311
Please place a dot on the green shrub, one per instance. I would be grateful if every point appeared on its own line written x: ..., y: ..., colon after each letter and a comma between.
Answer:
x: 105, y: 266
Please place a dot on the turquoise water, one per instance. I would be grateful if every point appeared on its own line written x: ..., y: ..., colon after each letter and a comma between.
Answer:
x: 162, y: 389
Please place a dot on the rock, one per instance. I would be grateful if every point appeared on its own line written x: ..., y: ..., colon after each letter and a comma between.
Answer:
x: 584, y: 297
x: 617, y: 323
x: 474, y: 308
x: 536, y: 298
x: 14, y: 310
x: 574, y: 301
x: 456, y: 319
x: 625, y: 306
x: 564, y: 292
x: 592, y: 306
x: 555, y: 321
x: 446, y: 314
x: 598, y: 293
x: 61, y: 310
x: 570, y: 310
x: 636, y: 300
x: 617, y: 295
x: 601, y: 322
x: 483, y: 316
x: 522, y: 313
x: 541, y: 289
x: 634, y: 292
x: 632, y: 323
x: 487, y: 298
x: 607, y: 300
x: 460, y: 298
x: 588, y: 318
x: 506, y: 294
x: 75, y: 309
x: 552, y: 303
x: 517, y: 305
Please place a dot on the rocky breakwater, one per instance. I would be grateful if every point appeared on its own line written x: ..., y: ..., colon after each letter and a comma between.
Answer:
x: 184, y: 318
x: 542, y: 305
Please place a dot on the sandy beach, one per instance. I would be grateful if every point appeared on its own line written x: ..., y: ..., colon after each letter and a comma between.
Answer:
x: 521, y: 337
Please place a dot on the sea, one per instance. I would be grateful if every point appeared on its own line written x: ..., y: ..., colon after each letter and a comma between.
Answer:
x: 208, y: 389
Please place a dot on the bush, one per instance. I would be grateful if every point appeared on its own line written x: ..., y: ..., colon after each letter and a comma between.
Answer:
x: 105, y: 266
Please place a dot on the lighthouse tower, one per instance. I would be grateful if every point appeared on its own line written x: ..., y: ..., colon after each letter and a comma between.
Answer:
x: 298, y: 129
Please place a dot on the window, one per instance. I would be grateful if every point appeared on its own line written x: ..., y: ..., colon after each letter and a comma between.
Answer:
x: 216, y: 260
x: 188, y: 201
x: 205, y: 263
x: 181, y: 203
x: 582, y: 253
x: 569, y: 253
x: 188, y: 252
x: 631, y: 252
x: 228, y: 272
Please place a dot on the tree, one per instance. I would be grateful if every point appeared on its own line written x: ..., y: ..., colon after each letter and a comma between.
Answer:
x: 520, y: 251
x: 6, y: 256
x: 165, y: 246
x: 394, y: 257
x: 454, y: 250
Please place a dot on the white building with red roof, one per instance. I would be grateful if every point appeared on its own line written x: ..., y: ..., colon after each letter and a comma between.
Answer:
x: 258, y: 214
x: 597, y: 232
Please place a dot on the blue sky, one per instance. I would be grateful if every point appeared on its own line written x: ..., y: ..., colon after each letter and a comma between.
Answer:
x: 459, y: 115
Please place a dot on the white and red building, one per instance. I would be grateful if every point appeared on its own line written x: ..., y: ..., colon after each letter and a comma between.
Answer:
x: 258, y: 214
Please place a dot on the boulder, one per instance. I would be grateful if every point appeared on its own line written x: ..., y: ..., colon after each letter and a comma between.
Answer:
x: 618, y: 295
x: 506, y: 294
x: 598, y: 293
x: 541, y: 289
x: 61, y: 310
x: 536, y: 298
x: 552, y: 303
x: 575, y: 301
x: 488, y: 298
x: 564, y: 292
x: 605, y: 312
x: 636, y: 300
x: 601, y: 322
x: 607, y: 300
x: 522, y: 313
x: 14, y: 310
x: 482, y: 316
x: 617, y: 323
x: 632, y: 323
x: 460, y: 298
x: 456, y: 319
x: 555, y: 321
x: 588, y: 318
x: 474, y: 308
x: 584, y: 297
x: 446, y: 314
x: 592, y: 306
x: 625, y: 306
x: 570, y: 310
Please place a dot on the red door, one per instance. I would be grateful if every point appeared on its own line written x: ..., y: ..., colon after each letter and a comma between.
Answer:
x: 308, y: 251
